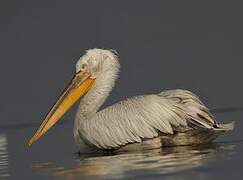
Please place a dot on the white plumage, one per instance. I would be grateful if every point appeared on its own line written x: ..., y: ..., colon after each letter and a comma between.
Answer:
x: 137, y: 119
x: 170, y: 118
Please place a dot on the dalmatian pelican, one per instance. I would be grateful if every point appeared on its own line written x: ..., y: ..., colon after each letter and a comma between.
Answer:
x: 170, y: 118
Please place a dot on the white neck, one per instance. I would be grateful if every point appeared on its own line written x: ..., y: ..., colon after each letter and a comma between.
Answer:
x: 97, y: 95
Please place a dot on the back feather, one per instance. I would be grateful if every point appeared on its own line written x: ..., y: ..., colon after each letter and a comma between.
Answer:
x: 145, y: 117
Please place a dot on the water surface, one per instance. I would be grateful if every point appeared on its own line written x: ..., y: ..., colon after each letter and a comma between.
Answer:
x: 55, y: 156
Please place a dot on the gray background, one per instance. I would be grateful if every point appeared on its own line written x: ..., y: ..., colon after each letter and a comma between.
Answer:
x: 195, y: 45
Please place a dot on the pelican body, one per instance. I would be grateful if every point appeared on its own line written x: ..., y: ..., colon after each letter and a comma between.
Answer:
x: 170, y: 118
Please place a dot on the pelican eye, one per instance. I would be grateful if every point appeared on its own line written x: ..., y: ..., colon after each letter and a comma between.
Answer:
x: 83, y: 67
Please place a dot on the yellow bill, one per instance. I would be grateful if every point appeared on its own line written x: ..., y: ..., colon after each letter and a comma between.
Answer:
x: 78, y: 87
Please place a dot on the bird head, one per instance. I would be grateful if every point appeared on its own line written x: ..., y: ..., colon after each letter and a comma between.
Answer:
x: 88, y: 68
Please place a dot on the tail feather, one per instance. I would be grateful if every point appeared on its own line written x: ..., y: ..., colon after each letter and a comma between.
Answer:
x: 225, y: 127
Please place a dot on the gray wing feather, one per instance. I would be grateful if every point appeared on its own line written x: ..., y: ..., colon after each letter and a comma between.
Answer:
x: 144, y: 117
x: 195, y: 109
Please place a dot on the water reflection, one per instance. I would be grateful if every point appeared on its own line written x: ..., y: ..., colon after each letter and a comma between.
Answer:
x: 158, y: 161
x: 3, y: 157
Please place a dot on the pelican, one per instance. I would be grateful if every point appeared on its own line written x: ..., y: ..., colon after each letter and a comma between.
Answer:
x: 170, y: 118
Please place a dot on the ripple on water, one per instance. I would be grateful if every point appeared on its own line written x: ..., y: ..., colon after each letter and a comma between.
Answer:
x: 3, y: 157
x: 158, y: 161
